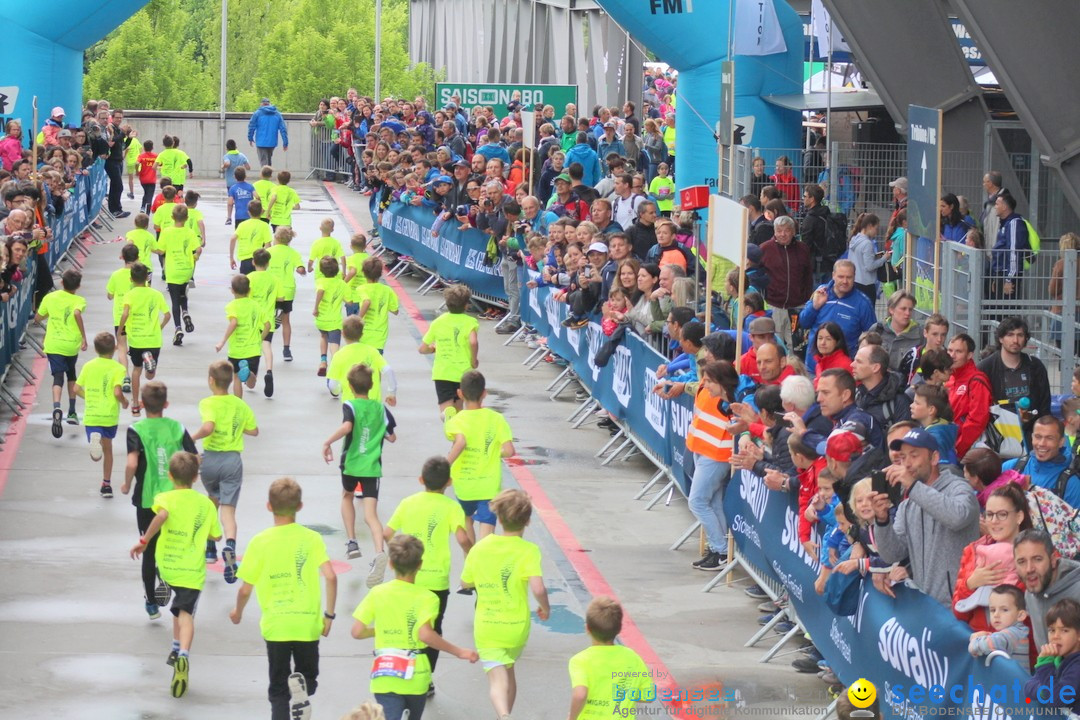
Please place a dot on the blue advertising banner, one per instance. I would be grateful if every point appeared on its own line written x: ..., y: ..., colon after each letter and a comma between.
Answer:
x: 911, y: 648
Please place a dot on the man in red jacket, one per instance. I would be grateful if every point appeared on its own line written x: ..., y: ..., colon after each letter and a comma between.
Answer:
x: 969, y: 394
x: 788, y: 263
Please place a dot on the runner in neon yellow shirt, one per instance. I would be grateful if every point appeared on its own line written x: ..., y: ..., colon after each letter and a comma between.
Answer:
x: 282, y: 565
x: 376, y: 302
x: 144, y: 316
x: 283, y: 200
x: 325, y: 246
x: 452, y: 338
x: 100, y: 383
x: 250, y: 235
x: 354, y: 352
x: 264, y: 186
x: 331, y: 293
x: 182, y: 249
x: 142, y: 238
x: 354, y: 269
x: 606, y: 678
x: 65, y: 336
x: 285, y: 263
x: 503, y: 569
x: 248, y: 325
x: 118, y: 285
x: 266, y: 292
x: 187, y: 520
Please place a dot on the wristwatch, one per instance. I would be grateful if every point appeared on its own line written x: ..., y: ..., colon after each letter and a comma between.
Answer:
x: 329, y: 616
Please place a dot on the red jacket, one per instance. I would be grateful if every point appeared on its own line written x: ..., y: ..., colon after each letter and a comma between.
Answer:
x: 789, y: 268
x: 970, y: 397
x: 836, y: 359
x: 807, y: 490
x: 788, y: 185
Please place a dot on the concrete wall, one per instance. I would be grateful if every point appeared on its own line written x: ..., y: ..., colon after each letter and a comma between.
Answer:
x: 200, y: 137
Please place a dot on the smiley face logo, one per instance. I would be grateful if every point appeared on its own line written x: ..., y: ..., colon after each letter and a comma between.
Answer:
x: 862, y: 693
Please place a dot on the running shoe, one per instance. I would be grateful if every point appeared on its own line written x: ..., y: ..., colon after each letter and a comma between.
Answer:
x: 95, y: 446
x: 321, y: 372
x: 136, y: 410
x: 152, y: 611
x: 149, y: 364
x: 378, y: 570
x: 106, y: 491
x: 286, y: 353
x: 127, y: 385
x: 299, y: 704
x: 268, y: 384
x: 72, y: 418
x: 131, y: 196
x: 334, y: 387
x: 178, y: 337
x: 244, y: 372
x: 162, y: 593
x: 352, y: 550
x: 180, y: 676
x: 211, y: 552
x: 121, y: 215
x: 228, y: 558
x: 431, y: 690
x: 188, y: 325
x: 466, y: 591
x: 228, y: 221
x: 171, y: 660
x: 756, y: 592
x: 57, y: 423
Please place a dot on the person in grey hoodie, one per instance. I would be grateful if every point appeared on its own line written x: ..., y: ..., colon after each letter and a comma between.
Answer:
x: 1047, y: 576
x: 935, y: 521
x: 899, y: 332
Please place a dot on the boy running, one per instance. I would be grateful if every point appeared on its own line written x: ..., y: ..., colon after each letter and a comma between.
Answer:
x: 593, y: 671
x: 142, y: 238
x: 354, y: 269
x: 399, y: 615
x: 195, y: 222
x: 144, y: 316
x: 248, y: 325
x: 353, y: 353
x: 226, y: 419
x: 433, y: 518
x: 181, y: 249
x: 118, y: 285
x: 266, y: 292
x: 452, y: 338
x: 376, y: 301
x: 331, y: 292
x: 250, y: 235
x: 503, y: 569
x: 240, y: 194
x: 147, y: 174
x: 100, y: 384
x: 65, y: 336
x: 284, y: 262
x: 283, y: 200
x: 264, y: 187
x: 326, y: 246
x: 186, y: 519
x: 283, y: 564
x: 365, y: 425
x: 151, y: 442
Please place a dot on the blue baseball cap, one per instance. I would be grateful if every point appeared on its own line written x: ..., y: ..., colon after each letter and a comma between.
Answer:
x: 443, y: 179
x: 916, y: 437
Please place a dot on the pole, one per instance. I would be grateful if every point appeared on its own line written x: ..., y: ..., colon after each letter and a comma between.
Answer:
x: 378, y: 50
x: 829, y: 184
x: 224, y: 56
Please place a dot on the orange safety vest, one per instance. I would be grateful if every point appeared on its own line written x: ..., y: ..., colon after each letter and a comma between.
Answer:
x: 708, y: 434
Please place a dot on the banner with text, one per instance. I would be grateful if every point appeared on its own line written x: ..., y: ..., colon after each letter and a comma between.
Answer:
x: 498, y: 95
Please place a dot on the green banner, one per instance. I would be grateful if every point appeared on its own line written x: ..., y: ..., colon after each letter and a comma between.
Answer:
x: 497, y: 95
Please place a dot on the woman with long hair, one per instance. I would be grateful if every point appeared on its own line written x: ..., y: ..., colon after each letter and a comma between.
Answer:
x: 953, y: 225
x: 862, y: 250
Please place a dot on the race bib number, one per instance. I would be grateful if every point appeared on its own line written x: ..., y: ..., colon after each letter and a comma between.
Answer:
x: 663, y: 192
x: 398, y: 664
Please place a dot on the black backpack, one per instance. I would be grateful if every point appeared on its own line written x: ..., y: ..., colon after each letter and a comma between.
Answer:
x: 1062, y: 478
x: 836, y: 237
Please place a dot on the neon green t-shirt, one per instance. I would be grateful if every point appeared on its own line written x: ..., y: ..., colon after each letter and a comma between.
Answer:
x: 231, y: 417
x: 432, y: 518
x: 283, y: 562
x: 325, y: 247
x: 246, y: 339
x: 265, y: 291
x: 398, y: 610
x: 194, y: 216
x: 163, y: 216
x: 181, y: 548
x: 263, y: 188
x: 283, y: 263
x: 251, y: 235
x: 179, y: 244
x: 663, y: 189
x: 449, y: 333
x: 144, y: 240
x: 173, y: 165
x: 286, y: 200
x: 609, y: 671
x: 383, y: 301
x: 500, y: 567
x: 356, y: 262
x: 143, y: 326
x: 118, y: 285
x: 335, y: 293
x: 131, y: 156
x: 477, y: 471
x: 351, y: 355
x: 62, y: 336
x: 99, y: 378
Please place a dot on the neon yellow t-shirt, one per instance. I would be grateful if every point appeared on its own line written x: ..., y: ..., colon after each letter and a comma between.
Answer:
x: 181, y: 547
x: 251, y: 235
x: 168, y: 160
x: 398, y: 610
x: 179, y: 244
x: 335, y: 293
x: 477, y: 471
x: 143, y: 326
x: 609, y: 671
x: 144, y: 240
x: 131, y: 156
x: 163, y: 216
x: 287, y: 199
x: 356, y: 262
x: 194, y: 216
x: 449, y: 333
x: 246, y: 339
x: 99, y: 378
x: 283, y: 263
x: 663, y: 189
x: 119, y: 283
x: 500, y: 567
x: 265, y: 291
x: 283, y: 562
x: 62, y: 336
x: 433, y: 519
x: 325, y: 247
x: 355, y: 354
x: 231, y: 417
x: 263, y: 188
x: 383, y: 301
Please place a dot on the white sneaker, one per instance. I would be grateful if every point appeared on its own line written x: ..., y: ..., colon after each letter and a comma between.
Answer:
x: 378, y: 570
x: 95, y: 446
x: 334, y: 387
x: 299, y: 704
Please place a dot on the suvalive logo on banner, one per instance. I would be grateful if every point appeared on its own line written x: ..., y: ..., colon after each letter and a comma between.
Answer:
x: 499, y: 95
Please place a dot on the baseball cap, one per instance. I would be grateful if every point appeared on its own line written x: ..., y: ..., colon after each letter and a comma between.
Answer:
x: 900, y: 182
x: 609, y: 124
x: 562, y: 176
x: 442, y: 179
x: 762, y: 326
x: 842, y: 446
x: 916, y: 437
x: 64, y: 133
x: 58, y: 112
x: 451, y: 105
x: 265, y: 101
x: 597, y: 247
x: 754, y: 254
x: 852, y: 427
x: 462, y: 163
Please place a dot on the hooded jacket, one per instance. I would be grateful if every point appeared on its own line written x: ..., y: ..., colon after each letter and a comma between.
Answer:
x: 932, y: 526
x: 590, y: 163
x: 900, y: 344
x: 264, y: 127
x: 969, y: 395
x: 887, y: 402
x: 642, y: 238
x: 1067, y: 585
x: 853, y: 313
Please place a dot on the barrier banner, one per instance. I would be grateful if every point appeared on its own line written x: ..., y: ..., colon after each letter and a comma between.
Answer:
x: 82, y: 206
x: 911, y: 648
x: 16, y: 315
x: 456, y: 255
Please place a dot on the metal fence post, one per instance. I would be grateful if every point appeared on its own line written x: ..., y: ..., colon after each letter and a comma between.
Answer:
x: 947, y: 307
x: 975, y: 305
x: 1068, y: 317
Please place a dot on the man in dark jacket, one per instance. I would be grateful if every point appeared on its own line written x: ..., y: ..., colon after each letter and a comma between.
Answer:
x: 814, y: 229
x: 788, y: 263
x: 880, y: 391
x: 1014, y: 374
x: 642, y: 233
x: 114, y: 163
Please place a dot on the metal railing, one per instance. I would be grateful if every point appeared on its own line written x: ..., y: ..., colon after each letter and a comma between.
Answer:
x: 328, y: 156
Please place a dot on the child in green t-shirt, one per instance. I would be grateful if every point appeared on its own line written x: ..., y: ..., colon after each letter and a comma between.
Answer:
x: 375, y: 303
x: 266, y: 292
x: 503, y: 569
x: 248, y: 325
x: 354, y: 269
x: 399, y: 615
x: 145, y: 314
x: 186, y: 520
x: 264, y: 187
x: 434, y: 518
x: 283, y: 564
x: 250, y: 235
x: 330, y: 294
x: 284, y: 262
x: 605, y: 676
x: 100, y: 384
x: 151, y: 442
x: 352, y: 353
x: 181, y: 249
x: 662, y: 188
x: 118, y: 285
x: 142, y: 238
x: 452, y: 338
x: 283, y: 200
x: 65, y: 337
x: 366, y: 423
x: 326, y: 246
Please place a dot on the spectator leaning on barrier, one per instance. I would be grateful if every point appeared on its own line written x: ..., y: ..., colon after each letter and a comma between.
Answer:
x: 935, y: 521
x: 1014, y: 374
x: 836, y: 398
x: 1047, y: 578
x: 970, y: 393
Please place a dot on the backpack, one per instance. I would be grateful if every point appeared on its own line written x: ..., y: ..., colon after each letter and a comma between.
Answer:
x: 836, y: 237
x: 1061, y: 522
x: 1034, y: 243
x: 1062, y: 478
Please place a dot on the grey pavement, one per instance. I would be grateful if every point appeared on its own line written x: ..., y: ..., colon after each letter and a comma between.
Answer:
x: 76, y: 642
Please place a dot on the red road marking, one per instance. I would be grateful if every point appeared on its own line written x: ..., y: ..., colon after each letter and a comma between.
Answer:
x: 17, y: 429
x: 583, y: 565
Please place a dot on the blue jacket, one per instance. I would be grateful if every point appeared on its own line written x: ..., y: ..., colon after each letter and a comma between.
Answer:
x: 1011, y: 247
x: 491, y: 151
x: 589, y: 160
x: 264, y: 127
x: 1045, y: 475
x: 945, y: 433
x: 853, y: 313
x: 604, y: 148
x: 957, y: 232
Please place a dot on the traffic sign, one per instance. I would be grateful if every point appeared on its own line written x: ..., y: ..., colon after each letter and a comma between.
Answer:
x: 924, y: 171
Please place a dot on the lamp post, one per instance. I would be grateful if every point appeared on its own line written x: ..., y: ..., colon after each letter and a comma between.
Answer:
x: 224, y: 49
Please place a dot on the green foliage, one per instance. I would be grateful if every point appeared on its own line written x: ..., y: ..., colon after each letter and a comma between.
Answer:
x: 292, y: 51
